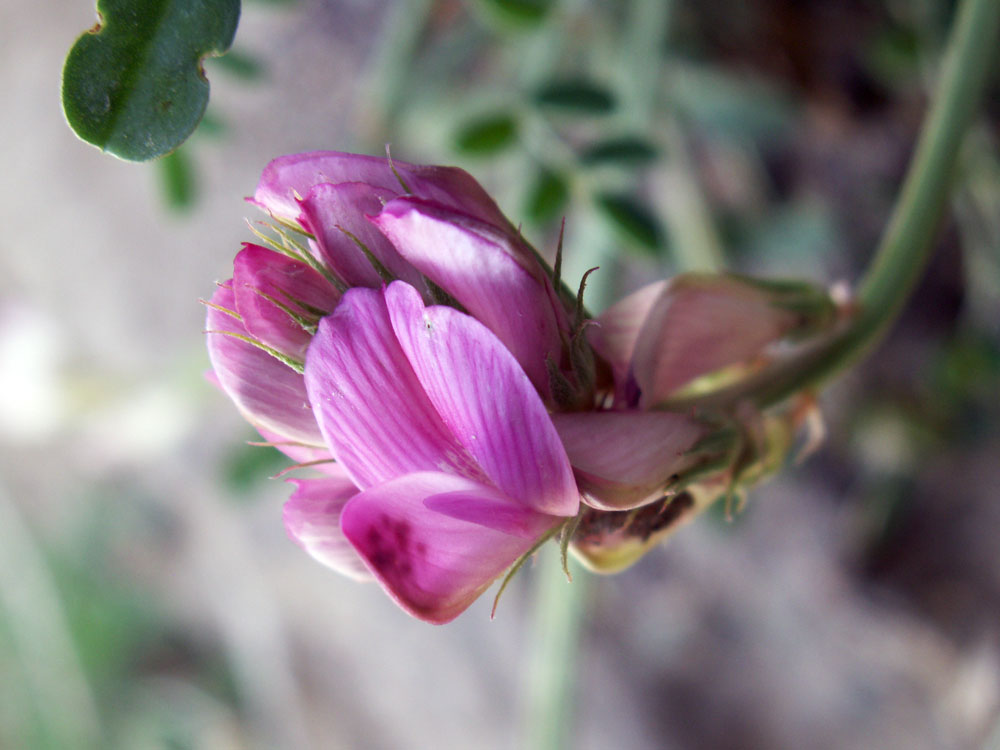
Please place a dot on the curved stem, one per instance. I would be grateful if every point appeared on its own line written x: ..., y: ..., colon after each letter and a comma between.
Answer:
x: 908, y: 240
x: 558, y: 618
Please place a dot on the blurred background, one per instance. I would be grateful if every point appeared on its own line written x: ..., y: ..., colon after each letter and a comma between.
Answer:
x: 149, y: 597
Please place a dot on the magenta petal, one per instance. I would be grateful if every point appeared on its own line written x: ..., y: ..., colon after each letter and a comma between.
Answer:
x: 434, y: 565
x: 328, y: 211
x: 312, y: 520
x: 699, y: 324
x: 264, y: 283
x: 476, y: 265
x: 288, y: 178
x: 485, y: 400
x: 624, y: 459
x: 370, y: 406
x: 458, y: 190
x: 270, y: 394
x: 617, y: 329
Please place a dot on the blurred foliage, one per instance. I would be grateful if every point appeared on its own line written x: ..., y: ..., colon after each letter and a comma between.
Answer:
x: 246, y: 466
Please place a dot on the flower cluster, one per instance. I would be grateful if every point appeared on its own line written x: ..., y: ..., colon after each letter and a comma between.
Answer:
x: 399, y: 335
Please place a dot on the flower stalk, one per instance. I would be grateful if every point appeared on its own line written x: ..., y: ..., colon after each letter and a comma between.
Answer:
x: 906, y: 245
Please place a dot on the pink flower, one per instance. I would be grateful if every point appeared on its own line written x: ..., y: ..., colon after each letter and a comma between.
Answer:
x: 403, y: 338
x: 447, y: 465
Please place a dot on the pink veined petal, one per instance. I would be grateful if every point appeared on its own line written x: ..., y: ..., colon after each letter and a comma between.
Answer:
x: 328, y: 210
x: 287, y: 177
x: 264, y: 282
x: 617, y: 329
x: 624, y: 459
x: 458, y: 190
x: 270, y: 394
x: 433, y: 564
x: 312, y: 520
x: 476, y: 266
x: 699, y: 324
x: 371, y: 408
x: 485, y: 400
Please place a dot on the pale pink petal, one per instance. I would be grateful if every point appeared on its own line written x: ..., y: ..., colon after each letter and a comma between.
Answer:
x: 330, y: 211
x: 433, y: 564
x: 371, y: 408
x: 271, y: 290
x: 312, y: 520
x: 699, y: 324
x: 475, y: 264
x: 624, y: 459
x: 617, y: 328
x: 268, y: 393
x: 485, y: 400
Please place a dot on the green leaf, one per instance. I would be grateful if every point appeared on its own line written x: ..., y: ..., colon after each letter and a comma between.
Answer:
x: 547, y: 197
x: 133, y: 85
x: 577, y: 95
x: 632, y: 218
x: 487, y: 135
x: 628, y: 150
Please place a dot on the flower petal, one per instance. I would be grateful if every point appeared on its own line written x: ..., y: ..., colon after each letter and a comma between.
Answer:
x: 264, y: 282
x: 476, y: 265
x: 617, y: 329
x: 329, y: 211
x: 433, y: 564
x: 485, y: 400
x: 370, y: 406
x: 270, y: 394
x: 699, y: 324
x: 312, y: 520
x: 624, y: 459
x: 289, y: 177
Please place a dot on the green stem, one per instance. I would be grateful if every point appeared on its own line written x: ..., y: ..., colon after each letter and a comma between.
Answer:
x: 549, y: 698
x: 909, y: 237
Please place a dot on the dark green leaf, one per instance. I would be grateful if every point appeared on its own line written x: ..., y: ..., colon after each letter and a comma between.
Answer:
x: 547, y: 197
x: 632, y: 218
x: 133, y: 85
x: 628, y: 150
x: 576, y: 95
x: 177, y: 179
x: 520, y: 11
x: 487, y: 135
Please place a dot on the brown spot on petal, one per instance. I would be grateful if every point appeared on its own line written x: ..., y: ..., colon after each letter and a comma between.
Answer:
x: 596, y: 526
